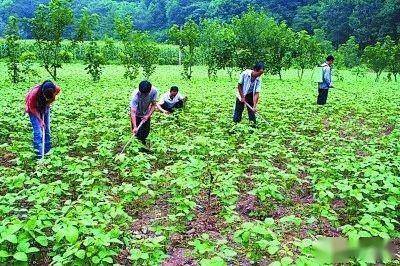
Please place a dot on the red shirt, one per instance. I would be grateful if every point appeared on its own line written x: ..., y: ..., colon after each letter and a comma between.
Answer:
x: 31, y: 99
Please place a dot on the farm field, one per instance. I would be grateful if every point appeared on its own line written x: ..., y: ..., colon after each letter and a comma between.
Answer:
x: 210, y: 192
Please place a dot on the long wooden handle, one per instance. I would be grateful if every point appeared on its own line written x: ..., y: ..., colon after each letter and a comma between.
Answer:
x: 43, y: 137
x: 259, y: 116
x: 126, y: 145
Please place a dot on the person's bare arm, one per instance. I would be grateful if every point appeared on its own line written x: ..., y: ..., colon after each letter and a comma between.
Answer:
x: 158, y: 105
x: 133, y: 119
x: 255, y: 100
x: 150, y: 111
x: 240, y: 90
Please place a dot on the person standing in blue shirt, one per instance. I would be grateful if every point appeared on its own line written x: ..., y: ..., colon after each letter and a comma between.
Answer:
x: 248, y: 91
x: 326, y: 84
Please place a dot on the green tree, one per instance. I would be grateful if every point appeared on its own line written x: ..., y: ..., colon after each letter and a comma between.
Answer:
x: 252, y: 41
x: 376, y: 57
x: 13, y: 49
x: 218, y: 43
x: 48, y: 26
x: 86, y: 26
x: 280, y: 40
x: 109, y: 49
x: 187, y: 37
x: 348, y: 54
x: 128, y: 58
x: 94, y: 58
x: 147, y: 53
x: 307, y: 52
x: 394, y: 58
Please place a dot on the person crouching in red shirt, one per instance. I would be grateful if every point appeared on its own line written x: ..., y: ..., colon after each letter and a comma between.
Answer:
x: 37, y: 105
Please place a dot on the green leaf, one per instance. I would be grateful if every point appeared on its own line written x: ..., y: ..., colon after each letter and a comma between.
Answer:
x: 96, y: 260
x: 80, y: 254
x: 4, y: 254
x: 20, y: 256
x: 33, y: 250
x: 23, y: 247
x: 273, y: 249
x: 108, y: 259
x: 263, y: 243
x: 71, y: 234
x: 42, y: 240
x: 286, y: 261
x: 215, y: 261
x: 12, y: 239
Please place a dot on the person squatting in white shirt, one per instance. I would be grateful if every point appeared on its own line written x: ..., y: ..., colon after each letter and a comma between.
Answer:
x: 171, y: 100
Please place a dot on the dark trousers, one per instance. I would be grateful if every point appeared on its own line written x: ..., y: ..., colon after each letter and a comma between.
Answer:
x: 322, y: 96
x: 179, y: 104
x: 239, y: 107
x: 143, y: 131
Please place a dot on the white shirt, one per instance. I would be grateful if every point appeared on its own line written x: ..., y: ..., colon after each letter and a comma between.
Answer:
x: 171, y: 102
x: 245, y: 80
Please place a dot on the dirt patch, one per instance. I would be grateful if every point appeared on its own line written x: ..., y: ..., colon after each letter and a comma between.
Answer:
x: 123, y: 257
x: 179, y: 257
x: 280, y: 164
x: 338, y: 204
x: 280, y: 211
x: 362, y: 153
x: 326, y: 124
x: 41, y: 258
x: 207, y: 218
x: 321, y: 227
x: 247, y: 204
x: 394, y: 248
x: 387, y: 130
x: 302, y: 194
x: 147, y: 215
x: 6, y: 160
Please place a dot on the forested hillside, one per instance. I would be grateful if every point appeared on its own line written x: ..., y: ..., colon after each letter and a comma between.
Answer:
x: 367, y: 20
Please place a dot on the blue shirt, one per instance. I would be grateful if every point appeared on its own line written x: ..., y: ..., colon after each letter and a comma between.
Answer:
x: 141, y: 102
x: 326, y: 77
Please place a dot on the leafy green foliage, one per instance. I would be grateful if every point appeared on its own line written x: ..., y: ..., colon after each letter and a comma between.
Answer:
x: 138, y: 50
x: 48, y: 27
x: 13, y: 50
x: 222, y: 193
x: 187, y: 37
x: 393, y: 65
x: 124, y: 29
x: 376, y: 57
x: 348, y: 54
x: 307, y: 51
x: 252, y: 43
x: 95, y: 60
x: 218, y: 43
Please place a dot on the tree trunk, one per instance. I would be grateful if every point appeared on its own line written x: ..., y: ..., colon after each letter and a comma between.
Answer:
x: 15, y: 73
x: 280, y: 75
x: 377, y: 77
x: 302, y: 74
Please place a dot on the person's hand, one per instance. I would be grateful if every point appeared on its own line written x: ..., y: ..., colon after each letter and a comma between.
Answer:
x: 135, y: 130
x: 255, y: 109
x: 166, y: 112
x: 42, y: 123
x: 242, y: 99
